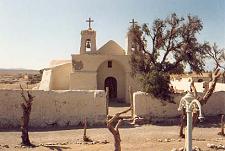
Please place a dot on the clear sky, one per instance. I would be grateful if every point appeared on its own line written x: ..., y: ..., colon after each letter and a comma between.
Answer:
x: 34, y: 32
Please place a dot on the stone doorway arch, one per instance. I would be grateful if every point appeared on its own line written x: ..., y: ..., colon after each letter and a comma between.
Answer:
x: 111, y: 83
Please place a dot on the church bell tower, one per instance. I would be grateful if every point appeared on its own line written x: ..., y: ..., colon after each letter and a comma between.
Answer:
x: 88, y: 39
x: 130, y: 39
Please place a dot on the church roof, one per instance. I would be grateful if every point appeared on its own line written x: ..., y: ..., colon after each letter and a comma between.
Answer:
x: 54, y: 63
x: 111, y: 48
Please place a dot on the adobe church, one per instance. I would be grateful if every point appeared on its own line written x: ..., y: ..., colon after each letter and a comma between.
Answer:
x: 93, y: 69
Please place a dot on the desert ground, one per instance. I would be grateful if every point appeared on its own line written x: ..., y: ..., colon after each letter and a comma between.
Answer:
x: 138, y: 138
x: 13, y: 78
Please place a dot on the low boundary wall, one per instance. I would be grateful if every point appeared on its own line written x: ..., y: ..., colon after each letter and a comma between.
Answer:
x: 54, y: 108
x: 148, y: 107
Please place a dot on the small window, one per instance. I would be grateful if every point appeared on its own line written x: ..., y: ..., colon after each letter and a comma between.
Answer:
x: 109, y: 64
x: 200, y: 80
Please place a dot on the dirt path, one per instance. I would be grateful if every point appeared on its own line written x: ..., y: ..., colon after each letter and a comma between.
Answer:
x: 144, y: 138
x: 115, y: 107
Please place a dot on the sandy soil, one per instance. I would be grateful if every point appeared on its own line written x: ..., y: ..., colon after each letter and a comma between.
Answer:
x: 17, y: 86
x: 143, y: 138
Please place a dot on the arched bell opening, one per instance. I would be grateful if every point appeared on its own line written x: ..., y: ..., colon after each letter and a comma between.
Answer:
x: 88, y: 45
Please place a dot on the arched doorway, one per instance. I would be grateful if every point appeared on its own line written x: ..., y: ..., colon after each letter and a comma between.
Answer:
x: 111, y: 73
x: 111, y: 83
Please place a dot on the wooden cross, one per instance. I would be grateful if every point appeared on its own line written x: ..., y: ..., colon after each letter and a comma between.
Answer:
x: 89, y: 22
x: 133, y: 23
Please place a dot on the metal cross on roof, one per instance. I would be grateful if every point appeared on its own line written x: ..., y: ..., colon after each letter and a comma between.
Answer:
x: 89, y: 22
x: 133, y: 23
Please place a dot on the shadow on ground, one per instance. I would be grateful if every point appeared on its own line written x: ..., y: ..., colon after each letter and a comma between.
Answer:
x: 57, y: 147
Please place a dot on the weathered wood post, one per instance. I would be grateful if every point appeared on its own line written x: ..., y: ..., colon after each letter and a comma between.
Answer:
x: 222, y: 126
x: 107, y: 100
x: 131, y: 101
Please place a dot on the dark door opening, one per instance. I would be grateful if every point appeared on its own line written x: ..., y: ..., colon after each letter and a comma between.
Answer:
x: 111, y: 83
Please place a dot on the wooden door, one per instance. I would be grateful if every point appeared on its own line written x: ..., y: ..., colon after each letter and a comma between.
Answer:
x: 111, y: 83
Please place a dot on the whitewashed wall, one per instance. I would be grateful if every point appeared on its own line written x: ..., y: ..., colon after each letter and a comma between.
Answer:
x: 46, y: 81
x: 148, y: 106
x: 185, y: 85
x: 65, y: 108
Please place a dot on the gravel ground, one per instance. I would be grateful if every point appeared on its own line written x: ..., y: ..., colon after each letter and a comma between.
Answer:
x: 140, y: 138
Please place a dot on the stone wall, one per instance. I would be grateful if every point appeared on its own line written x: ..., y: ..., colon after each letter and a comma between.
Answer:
x: 148, y: 106
x: 54, y: 108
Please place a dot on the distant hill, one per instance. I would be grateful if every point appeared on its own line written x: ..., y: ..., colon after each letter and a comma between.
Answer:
x: 17, y: 71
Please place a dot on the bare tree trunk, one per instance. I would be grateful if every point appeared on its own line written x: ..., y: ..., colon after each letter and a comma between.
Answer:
x: 116, y: 135
x: 182, y: 124
x: 203, y: 100
x: 222, y: 126
x: 85, y: 137
x: 115, y: 130
x: 194, y: 119
x: 24, y: 127
x: 26, y: 107
x: 85, y: 130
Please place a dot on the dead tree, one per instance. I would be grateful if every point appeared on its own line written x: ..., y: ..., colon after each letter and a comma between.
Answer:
x: 26, y: 107
x: 202, y: 99
x: 222, y: 126
x: 116, y: 119
x: 85, y: 137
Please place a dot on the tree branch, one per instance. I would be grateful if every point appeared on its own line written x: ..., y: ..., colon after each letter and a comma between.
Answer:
x: 209, y: 92
x: 193, y: 89
x: 115, y: 130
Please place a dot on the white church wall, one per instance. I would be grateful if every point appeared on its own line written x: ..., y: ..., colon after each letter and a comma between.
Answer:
x: 61, y: 76
x: 91, y: 63
x: 46, y: 81
x: 149, y: 107
x: 83, y: 81
x: 117, y: 72
x: 135, y: 85
x: 59, y: 108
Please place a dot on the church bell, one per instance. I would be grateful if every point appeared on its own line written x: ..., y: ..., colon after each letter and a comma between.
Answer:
x: 88, y: 45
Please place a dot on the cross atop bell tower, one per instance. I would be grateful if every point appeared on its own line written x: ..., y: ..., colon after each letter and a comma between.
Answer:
x: 133, y: 23
x: 89, y: 22
x: 130, y: 38
x: 88, y: 39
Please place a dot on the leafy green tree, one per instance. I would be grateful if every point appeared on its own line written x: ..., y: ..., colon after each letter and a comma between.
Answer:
x: 167, y: 47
